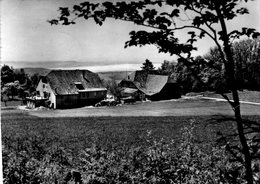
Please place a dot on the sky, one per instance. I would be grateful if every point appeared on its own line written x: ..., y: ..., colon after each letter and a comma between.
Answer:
x: 26, y: 36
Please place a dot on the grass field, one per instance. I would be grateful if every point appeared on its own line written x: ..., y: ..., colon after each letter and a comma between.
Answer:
x: 81, y: 132
x: 47, y: 149
x: 12, y: 103
x: 178, y: 107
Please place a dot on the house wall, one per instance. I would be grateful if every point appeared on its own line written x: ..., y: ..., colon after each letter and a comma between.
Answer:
x: 169, y: 91
x: 45, y: 87
x: 66, y: 101
x: 70, y: 100
x: 79, y: 100
x: 40, y: 88
x: 52, y: 98
x: 92, y: 94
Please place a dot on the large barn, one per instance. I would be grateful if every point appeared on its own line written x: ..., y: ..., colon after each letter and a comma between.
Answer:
x: 152, y: 86
x: 70, y: 88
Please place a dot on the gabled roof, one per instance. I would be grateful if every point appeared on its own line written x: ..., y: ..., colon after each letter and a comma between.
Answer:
x: 148, y: 83
x: 63, y: 82
x: 153, y: 84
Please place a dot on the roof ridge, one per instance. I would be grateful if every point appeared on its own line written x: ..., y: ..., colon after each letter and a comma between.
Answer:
x: 63, y: 81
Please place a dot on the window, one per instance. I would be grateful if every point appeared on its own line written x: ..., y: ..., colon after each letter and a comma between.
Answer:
x: 95, y: 94
x: 43, y: 85
x: 46, y: 95
x: 83, y: 95
x: 79, y: 85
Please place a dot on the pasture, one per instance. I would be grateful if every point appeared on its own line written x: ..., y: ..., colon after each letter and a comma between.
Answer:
x: 80, y: 132
x: 125, y: 125
x: 45, y: 146
x: 175, y: 107
x: 76, y: 133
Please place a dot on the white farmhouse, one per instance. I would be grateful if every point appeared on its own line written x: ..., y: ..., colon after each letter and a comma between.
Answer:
x: 69, y: 88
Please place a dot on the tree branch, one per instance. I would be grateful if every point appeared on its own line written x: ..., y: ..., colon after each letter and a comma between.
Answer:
x: 214, y: 38
x: 229, y: 101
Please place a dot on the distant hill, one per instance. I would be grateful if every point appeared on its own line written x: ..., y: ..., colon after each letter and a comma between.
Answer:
x: 114, y: 75
x: 117, y: 75
x: 40, y: 71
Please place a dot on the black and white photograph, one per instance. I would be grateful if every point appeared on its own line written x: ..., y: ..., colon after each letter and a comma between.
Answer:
x: 130, y: 91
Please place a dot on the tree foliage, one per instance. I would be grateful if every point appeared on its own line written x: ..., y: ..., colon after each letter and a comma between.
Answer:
x: 113, y: 88
x: 16, y: 82
x: 167, y: 68
x: 147, y: 66
x: 163, y: 23
x: 7, y: 74
x: 246, y: 65
x: 210, y: 69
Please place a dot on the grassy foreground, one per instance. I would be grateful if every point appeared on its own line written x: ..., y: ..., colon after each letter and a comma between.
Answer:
x: 108, y: 132
x: 117, y: 149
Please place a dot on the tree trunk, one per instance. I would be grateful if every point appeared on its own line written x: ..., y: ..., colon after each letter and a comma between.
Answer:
x: 230, y: 74
x: 240, y: 129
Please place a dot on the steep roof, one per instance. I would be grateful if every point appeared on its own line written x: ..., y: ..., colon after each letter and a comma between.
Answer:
x: 153, y: 84
x: 141, y: 77
x: 148, y: 83
x: 64, y: 82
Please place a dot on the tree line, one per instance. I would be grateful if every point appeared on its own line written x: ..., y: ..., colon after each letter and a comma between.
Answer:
x: 207, y: 72
x: 16, y: 83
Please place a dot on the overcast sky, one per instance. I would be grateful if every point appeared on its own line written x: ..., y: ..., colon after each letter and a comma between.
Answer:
x: 26, y: 35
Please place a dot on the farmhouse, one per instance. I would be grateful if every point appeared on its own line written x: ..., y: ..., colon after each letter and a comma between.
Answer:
x: 70, y: 88
x: 151, y: 86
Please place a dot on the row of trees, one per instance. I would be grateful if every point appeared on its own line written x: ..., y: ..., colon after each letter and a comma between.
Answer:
x: 209, y: 70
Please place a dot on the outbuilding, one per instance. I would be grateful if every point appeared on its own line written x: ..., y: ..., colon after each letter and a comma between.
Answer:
x: 151, y: 86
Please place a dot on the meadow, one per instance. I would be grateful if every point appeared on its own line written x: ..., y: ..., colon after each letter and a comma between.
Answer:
x: 115, y: 149
x: 75, y: 133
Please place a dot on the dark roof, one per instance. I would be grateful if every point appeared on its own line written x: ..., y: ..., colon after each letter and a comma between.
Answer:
x: 153, y: 84
x: 64, y: 82
x: 149, y: 83
x: 140, y: 77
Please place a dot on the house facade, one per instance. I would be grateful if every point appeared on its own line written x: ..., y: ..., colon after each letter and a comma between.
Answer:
x: 70, y: 88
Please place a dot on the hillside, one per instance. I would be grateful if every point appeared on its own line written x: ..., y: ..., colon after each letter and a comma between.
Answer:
x: 117, y: 75
x: 114, y: 75
x: 40, y: 71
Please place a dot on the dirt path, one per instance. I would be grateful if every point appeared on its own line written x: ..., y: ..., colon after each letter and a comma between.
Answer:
x: 223, y: 100
x: 180, y: 107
